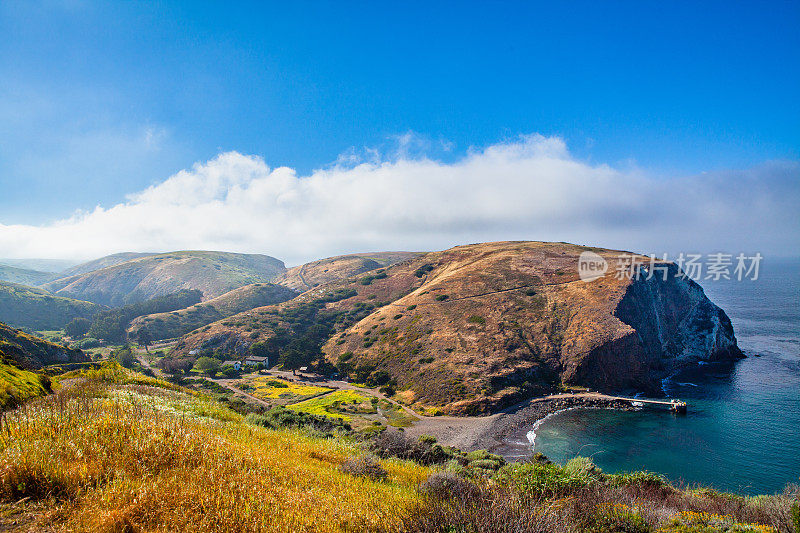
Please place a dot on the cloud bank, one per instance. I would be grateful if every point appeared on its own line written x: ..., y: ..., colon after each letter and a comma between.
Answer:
x: 529, y: 188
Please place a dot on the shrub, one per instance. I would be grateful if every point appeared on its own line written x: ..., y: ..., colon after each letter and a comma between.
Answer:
x: 124, y: 356
x: 449, y: 485
x: 476, y: 319
x: 441, y: 297
x: 88, y: 342
x: 424, y: 269
x: 616, y: 518
x: 364, y: 466
x: 542, y: 479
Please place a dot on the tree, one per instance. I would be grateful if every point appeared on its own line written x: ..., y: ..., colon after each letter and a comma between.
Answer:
x: 173, y: 365
x: 207, y: 365
x: 77, y: 327
x: 144, y: 338
x: 124, y: 356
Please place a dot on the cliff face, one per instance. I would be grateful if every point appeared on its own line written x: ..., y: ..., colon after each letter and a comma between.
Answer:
x: 670, y: 323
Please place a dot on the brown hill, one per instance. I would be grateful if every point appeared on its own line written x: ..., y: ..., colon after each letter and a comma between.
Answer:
x: 304, y: 277
x: 139, y: 279
x: 177, y: 323
x: 477, y: 327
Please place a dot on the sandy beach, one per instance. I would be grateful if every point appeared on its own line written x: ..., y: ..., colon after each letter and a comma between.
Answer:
x: 505, y: 433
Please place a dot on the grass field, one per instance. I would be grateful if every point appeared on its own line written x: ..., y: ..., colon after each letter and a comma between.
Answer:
x: 109, y: 453
x: 269, y: 388
x: 341, y: 403
x: 396, y: 416
x: 17, y: 385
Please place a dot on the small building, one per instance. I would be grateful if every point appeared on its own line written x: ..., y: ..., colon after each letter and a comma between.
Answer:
x: 237, y: 365
x: 255, y: 361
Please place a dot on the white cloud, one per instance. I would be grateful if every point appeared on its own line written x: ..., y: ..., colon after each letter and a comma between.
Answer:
x: 529, y: 188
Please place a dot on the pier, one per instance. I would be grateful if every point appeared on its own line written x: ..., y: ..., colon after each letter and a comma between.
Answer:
x: 674, y: 405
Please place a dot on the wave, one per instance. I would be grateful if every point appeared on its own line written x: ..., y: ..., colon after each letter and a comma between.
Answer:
x: 686, y: 384
x: 532, y: 433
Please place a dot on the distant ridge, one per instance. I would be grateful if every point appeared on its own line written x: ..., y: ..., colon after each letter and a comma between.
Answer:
x: 149, y: 275
x: 102, y: 262
x: 24, y: 276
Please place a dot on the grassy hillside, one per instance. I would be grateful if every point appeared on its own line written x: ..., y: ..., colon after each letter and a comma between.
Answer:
x: 143, y: 278
x: 21, y: 353
x: 23, y: 276
x: 116, y: 451
x: 37, y: 309
x: 477, y: 327
x: 304, y: 277
x: 177, y: 323
x: 103, y: 262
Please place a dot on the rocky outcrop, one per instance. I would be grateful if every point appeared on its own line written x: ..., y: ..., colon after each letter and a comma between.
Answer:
x: 671, y: 324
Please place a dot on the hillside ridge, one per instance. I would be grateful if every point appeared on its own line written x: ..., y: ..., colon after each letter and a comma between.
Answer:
x: 142, y: 278
x: 476, y: 327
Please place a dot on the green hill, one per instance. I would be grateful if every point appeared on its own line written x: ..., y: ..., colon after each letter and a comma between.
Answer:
x: 21, y: 353
x: 143, y: 278
x: 24, y: 276
x: 37, y: 309
x: 177, y: 323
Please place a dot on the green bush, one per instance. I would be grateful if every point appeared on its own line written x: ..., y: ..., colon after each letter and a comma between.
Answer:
x: 441, y: 297
x: 616, y: 518
x: 207, y: 365
x: 476, y: 319
x: 548, y: 479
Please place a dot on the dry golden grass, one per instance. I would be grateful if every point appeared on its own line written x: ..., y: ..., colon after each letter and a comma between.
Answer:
x: 111, y: 456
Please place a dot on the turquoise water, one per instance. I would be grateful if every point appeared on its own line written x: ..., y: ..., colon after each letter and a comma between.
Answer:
x: 742, y: 432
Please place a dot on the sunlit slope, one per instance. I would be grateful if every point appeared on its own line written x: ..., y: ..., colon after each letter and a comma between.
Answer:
x: 136, y: 280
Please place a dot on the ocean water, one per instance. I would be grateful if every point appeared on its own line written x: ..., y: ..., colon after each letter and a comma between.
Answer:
x: 742, y: 431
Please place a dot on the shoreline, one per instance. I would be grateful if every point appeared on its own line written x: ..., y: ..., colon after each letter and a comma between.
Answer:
x: 505, y: 433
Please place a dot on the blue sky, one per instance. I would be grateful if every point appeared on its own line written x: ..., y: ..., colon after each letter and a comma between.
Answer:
x: 101, y: 100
